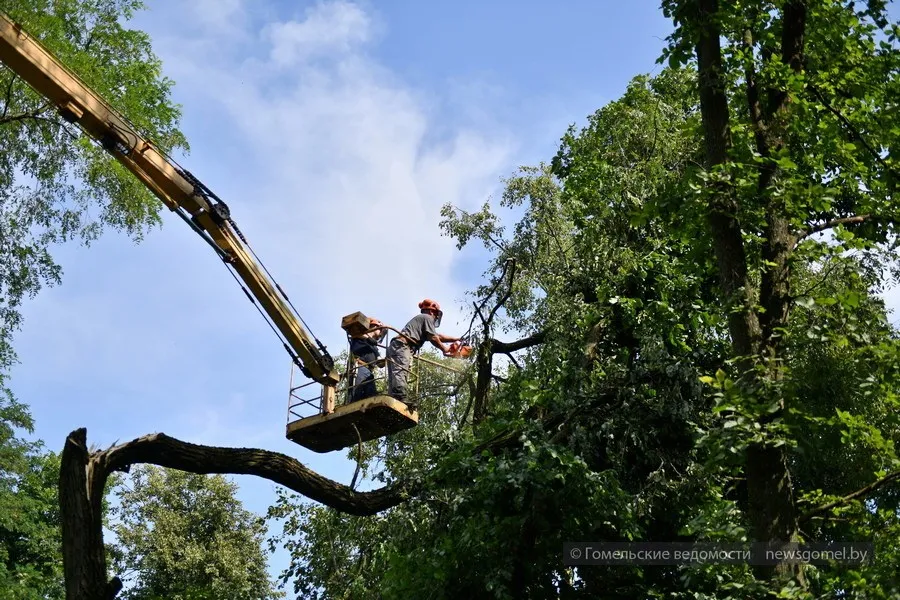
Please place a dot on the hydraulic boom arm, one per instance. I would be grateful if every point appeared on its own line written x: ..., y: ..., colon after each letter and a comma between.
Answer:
x: 177, y: 188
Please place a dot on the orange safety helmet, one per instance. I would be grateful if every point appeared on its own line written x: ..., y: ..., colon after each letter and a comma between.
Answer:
x: 428, y: 304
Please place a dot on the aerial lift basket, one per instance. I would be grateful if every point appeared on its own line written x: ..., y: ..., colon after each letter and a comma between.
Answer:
x: 333, y: 428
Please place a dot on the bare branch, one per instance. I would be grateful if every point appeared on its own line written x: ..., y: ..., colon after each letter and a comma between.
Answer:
x: 9, y: 89
x: 513, y: 359
x: 860, y: 493
x: 511, y: 263
x: 480, y: 316
x: 833, y: 223
x: 528, y: 342
x: 831, y: 267
x: 490, y: 293
x: 160, y: 449
x: 484, y: 358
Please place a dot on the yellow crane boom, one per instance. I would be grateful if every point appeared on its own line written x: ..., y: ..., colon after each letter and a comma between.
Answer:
x: 180, y: 191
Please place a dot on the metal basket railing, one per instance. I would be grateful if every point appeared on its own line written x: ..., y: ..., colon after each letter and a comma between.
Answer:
x: 305, y: 399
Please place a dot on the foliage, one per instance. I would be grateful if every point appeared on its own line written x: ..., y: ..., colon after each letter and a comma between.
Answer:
x: 186, y: 537
x: 56, y: 185
x: 30, y: 547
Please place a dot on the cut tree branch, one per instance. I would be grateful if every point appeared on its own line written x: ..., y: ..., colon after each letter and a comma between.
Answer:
x: 860, y: 493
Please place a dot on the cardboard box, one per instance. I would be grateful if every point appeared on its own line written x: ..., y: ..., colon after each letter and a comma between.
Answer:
x: 355, y: 324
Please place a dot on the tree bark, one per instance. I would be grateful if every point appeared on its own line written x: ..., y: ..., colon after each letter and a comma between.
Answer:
x: 484, y: 364
x: 84, y: 555
x: 728, y: 241
x: 771, y: 505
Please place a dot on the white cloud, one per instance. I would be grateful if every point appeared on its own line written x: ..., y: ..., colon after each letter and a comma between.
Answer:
x: 345, y: 196
x: 329, y: 27
x: 217, y: 15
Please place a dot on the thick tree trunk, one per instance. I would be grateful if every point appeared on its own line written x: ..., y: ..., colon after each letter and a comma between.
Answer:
x: 484, y: 364
x: 772, y: 510
x: 728, y: 241
x: 80, y: 496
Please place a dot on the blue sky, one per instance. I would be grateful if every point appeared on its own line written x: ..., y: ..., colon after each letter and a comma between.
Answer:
x: 335, y: 131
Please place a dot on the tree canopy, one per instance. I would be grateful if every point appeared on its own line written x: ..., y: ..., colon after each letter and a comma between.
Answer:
x: 56, y: 185
x: 187, y: 537
x: 30, y: 546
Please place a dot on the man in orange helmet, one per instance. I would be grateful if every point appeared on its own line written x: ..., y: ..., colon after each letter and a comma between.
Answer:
x: 420, y: 329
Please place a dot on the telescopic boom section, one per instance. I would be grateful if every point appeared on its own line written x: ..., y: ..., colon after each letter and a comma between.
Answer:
x: 177, y: 189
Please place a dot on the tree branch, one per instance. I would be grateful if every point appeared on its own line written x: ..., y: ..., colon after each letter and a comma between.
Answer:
x: 864, y: 491
x: 494, y: 241
x: 160, y: 449
x: 38, y: 115
x: 506, y: 347
x: 490, y: 293
x: 485, y: 354
x: 9, y: 88
x: 33, y: 114
x: 833, y: 223
x: 513, y: 359
x: 827, y: 272
x: 19, y: 117
x: 850, y: 127
x: 511, y: 263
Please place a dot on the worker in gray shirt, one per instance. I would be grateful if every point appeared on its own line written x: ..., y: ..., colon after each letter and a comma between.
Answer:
x: 420, y: 329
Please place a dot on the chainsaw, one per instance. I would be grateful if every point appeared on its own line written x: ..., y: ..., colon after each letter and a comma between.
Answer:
x: 460, y: 349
